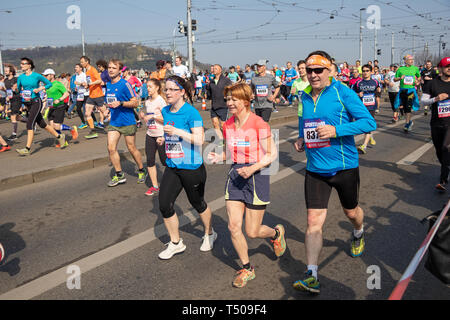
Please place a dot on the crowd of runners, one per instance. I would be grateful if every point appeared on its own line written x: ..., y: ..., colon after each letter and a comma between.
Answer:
x: 334, y: 101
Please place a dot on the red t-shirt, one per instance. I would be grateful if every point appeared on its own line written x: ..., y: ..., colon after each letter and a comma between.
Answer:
x: 244, y: 144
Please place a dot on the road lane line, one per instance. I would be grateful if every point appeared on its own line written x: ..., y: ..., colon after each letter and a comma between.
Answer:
x: 415, y: 155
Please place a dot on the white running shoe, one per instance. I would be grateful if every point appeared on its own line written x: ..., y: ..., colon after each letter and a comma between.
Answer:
x: 2, y: 253
x: 172, y: 249
x: 208, y: 241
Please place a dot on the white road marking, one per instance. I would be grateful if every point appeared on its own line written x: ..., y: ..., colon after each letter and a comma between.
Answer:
x: 413, y: 156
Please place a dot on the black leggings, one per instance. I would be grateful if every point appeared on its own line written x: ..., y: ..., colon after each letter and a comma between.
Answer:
x: 34, y: 114
x: 80, y: 105
x: 174, y: 180
x: 441, y: 141
x: 150, y: 150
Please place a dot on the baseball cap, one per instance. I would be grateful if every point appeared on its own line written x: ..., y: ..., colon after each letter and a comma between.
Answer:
x: 444, y: 62
x: 48, y: 71
x: 262, y: 62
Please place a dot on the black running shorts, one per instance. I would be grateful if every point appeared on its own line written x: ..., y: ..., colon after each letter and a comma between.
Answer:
x: 318, y: 189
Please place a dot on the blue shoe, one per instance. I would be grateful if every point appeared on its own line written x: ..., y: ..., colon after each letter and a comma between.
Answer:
x: 82, y: 126
x: 100, y: 126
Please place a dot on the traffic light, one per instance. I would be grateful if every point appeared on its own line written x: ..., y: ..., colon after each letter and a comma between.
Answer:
x: 379, y: 52
x: 181, y: 27
x: 194, y: 24
x: 443, y: 45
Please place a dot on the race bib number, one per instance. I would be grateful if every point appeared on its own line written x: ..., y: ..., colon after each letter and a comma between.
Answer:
x: 311, y: 137
x: 49, y: 102
x: 408, y: 80
x: 262, y: 91
x: 151, y: 124
x: 174, y: 149
x: 248, y: 81
x: 444, y: 108
x: 369, y: 99
x: 26, y: 95
x: 80, y: 97
x: 9, y: 93
x: 110, y: 98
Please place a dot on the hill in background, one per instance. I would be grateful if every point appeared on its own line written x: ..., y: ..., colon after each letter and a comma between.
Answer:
x: 63, y: 59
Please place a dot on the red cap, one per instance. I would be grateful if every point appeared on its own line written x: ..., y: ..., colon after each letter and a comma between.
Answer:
x: 444, y: 62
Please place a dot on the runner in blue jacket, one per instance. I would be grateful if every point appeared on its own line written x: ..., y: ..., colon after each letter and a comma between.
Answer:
x: 332, y: 115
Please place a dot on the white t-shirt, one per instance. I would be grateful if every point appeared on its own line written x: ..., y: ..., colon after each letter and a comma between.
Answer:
x: 154, y: 128
x: 81, y: 78
x: 198, y: 82
x: 396, y: 86
x: 181, y: 71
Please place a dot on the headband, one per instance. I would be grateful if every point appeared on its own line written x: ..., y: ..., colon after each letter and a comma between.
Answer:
x: 317, y: 60
x: 174, y: 81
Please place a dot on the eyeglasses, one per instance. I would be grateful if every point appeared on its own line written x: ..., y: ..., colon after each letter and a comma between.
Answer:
x: 171, y: 90
x: 315, y: 70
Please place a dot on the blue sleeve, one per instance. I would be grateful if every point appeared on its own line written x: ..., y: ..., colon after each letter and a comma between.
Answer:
x: 128, y: 91
x: 195, y: 119
x: 300, y: 127
x: 364, y: 122
x: 43, y: 79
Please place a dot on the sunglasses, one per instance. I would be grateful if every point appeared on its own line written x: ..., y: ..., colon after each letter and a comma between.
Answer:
x: 315, y: 70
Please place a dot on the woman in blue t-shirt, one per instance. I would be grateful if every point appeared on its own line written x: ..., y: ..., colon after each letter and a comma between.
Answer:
x: 29, y: 86
x: 183, y: 136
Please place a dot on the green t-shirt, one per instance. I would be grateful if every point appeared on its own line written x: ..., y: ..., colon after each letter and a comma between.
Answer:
x: 411, y: 74
x: 55, y: 92
x: 297, y: 86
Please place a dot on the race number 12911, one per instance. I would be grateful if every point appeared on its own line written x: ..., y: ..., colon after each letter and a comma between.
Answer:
x: 234, y: 309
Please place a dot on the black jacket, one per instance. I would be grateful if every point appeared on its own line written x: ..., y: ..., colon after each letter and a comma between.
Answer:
x: 216, y: 92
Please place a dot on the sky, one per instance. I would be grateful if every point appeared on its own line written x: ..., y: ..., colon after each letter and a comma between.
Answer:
x: 235, y: 32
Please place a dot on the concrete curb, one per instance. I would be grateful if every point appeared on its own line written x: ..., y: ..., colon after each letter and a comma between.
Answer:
x: 47, y: 174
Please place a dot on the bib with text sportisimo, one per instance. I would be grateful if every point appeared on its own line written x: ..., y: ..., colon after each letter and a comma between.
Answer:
x: 174, y: 149
x: 26, y: 95
x: 311, y: 137
x: 151, y: 124
x: 444, y: 108
x: 262, y: 90
x: 110, y: 98
x: 408, y: 80
x: 368, y: 99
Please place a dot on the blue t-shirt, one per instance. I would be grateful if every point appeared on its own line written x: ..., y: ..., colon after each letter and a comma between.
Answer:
x: 182, y: 154
x: 120, y: 91
x: 248, y: 77
x: 368, y: 88
x: 26, y: 85
x: 290, y: 73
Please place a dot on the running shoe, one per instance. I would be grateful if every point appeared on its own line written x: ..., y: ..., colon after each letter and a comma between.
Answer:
x: 243, y: 276
x: 13, y: 137
x: 358, y: 245
x: 279, y: 244
x: 117, y: 180
x: 92, y: 135
x: 2, y: 253
x: 440, y: 186
x: 152, y: 191
x: 362, y: 148
x: 82, y: 126
x: 372, y: 141
x: 141, y: 177
x: 172, y: 249
x: 66, y: 144
x: 62, y: 140
x: 377, y: 110
x: 411, y: 123
x: 23, y: 152
x: 275, y: 111
x: 309, y: 283
x: 74, y: 133
x: 5, y: 148
x: 208, y: 241
x: 100, y: 126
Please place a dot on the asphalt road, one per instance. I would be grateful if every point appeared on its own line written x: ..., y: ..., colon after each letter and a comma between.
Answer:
x: 115, y: 234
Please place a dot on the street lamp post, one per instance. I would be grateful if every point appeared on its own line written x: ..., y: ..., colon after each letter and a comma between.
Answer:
x: 1, y: 60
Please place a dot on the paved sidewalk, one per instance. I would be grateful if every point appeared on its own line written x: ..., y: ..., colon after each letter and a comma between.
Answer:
x: 47, y: 162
